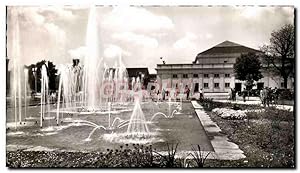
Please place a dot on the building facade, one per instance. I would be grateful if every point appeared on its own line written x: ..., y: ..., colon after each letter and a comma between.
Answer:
x: 213, y: 71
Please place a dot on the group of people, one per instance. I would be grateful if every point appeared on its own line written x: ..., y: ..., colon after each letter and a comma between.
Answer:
x: 269, y: 96
x: 175, y: 92
x: 234, y: 93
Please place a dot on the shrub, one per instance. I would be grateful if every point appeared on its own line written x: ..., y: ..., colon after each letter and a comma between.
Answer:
x: 198, y: 157
x: 273, y: 114
x: 169, y: 160
x: 285, y: 94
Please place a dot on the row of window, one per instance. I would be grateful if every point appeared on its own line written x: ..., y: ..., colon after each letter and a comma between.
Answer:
x: 196, y: 75
x: 216, y: 85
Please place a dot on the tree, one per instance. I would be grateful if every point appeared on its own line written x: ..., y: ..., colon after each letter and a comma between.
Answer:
x: 32, y: 76
x: 280, y: 54
x: 247, y: 68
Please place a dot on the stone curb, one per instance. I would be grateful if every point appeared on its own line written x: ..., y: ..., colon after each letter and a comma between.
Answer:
x: 224, y: 150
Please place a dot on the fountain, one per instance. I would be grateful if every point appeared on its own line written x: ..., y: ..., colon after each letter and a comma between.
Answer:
x: 25, y: 92
x: 137, y: 127
x: 94, y: 89
x: 16, y: 74
x: 44, y: 95
x: 93, y: 70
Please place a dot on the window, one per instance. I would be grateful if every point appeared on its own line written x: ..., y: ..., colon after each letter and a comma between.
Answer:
x: 225, y: 61
x: 227, y: 75
x: 174, y: 75
x: 206, y: 75
x: 185, y: 76
x: 227, y: 85
x: 195, y: 75
x: 216, y: 75
x: 205, y: 85
x: 216, y: 85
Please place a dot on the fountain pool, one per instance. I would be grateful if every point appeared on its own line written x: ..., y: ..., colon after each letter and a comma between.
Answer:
x: 185, y: 129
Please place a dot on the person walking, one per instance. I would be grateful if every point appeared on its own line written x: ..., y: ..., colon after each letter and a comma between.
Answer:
x: 262, y: 97
x: 163, y: 94
x: 158, y: 94
x: 244, y: 95
x: 201, y: 95
x: 234, y: 94
x: 187, y: 91
x: 265, y: 97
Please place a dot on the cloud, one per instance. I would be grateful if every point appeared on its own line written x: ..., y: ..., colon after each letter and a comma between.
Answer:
x: 188, y: 41
x: 30, y: 18
x: 29, y: 15
x: 54, y: 13
x: 250, y: 12
x: 136, y: 39
x: 41, y: 37
x: 136, y: 19
x: 208, y: 36
x: 114, y: 50
x: 78, y: 53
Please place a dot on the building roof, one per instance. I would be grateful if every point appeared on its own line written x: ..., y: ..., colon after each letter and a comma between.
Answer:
x: 227, y: 47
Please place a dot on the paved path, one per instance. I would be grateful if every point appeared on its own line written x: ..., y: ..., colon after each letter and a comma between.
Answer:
x: 224, y: 149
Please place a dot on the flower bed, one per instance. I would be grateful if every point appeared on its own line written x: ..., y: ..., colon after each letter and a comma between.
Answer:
x: 267, y: 138
x: 230, y: 113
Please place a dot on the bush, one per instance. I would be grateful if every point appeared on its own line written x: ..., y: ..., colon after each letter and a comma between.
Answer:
x: 209, y: 105
x: 272, y: 114
x: 286, y: 94
x: 198, y: 156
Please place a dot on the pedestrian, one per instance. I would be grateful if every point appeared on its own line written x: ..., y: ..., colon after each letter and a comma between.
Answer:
x: 244, y: 95
x: 262, y: 97
x: 268, y: 96
x: 163, y: 94
x: 234, y: 94
x: 275, y: 95
x: 187, y: 92
x: 201, y: 95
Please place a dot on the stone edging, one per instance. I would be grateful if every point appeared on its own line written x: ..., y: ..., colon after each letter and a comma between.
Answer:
x: 224, y: 150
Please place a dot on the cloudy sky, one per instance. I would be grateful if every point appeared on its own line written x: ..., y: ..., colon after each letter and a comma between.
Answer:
x: 142, y: 34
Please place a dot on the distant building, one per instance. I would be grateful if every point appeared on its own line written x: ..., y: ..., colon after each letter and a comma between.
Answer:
x: 213, y: 71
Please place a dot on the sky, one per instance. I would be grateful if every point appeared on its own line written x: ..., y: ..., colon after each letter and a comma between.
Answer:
x: 141, y: 34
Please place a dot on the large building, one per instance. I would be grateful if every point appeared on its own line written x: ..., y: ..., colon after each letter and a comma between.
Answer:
x: 213, y: 71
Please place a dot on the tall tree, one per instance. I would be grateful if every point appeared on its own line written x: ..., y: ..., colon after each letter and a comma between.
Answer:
x: 247, y: 68
x: 280, y: 53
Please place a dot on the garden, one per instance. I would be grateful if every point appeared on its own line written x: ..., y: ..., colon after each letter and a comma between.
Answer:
x: 266, y: 135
